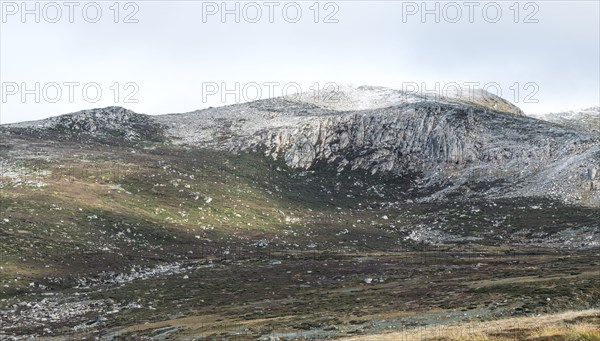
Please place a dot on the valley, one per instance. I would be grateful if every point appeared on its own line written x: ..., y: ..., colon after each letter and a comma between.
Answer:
x: 112, y: 228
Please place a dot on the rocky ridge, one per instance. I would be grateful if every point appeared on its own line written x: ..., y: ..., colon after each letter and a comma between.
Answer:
x: 586, y: 119
x: 105, y: 123
x: 450, y: 142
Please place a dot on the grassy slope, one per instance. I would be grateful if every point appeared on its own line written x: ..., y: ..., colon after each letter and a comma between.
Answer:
x: 569, y: 326
x: 161, y: 203
x: 164, y: 204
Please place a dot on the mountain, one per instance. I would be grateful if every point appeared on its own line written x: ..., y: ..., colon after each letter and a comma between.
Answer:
x: 584, y: 120
x: 451, y: 141
x: 352, y: 212
x: 466, y: 139
x: 102, y: 124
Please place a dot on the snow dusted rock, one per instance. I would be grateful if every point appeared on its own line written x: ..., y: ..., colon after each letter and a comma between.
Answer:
x: 109, y: 123
x: 585, y: 119
x: 247, y: 125
x: 353, y: 98
x: 461, y: 138
x: 449, y: 144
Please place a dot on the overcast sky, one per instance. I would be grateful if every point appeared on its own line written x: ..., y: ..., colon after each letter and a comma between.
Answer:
x: 167, y: 57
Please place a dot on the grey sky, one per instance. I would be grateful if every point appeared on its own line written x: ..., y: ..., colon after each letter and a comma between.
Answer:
x: 170, y: 52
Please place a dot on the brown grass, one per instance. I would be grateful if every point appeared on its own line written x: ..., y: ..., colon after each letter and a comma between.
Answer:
x: 538, y: 328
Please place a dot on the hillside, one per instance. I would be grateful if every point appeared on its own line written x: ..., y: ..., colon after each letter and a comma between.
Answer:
x: 583, y: 120
x: 290, y: 218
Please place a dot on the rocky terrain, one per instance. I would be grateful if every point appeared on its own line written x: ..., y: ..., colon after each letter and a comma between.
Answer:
x: 451, y: 141
x: 359, y: 211
x: 585, y: 120
x: 102, y: 124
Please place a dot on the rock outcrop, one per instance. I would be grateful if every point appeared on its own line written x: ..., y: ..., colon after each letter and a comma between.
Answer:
x: 102, y: 123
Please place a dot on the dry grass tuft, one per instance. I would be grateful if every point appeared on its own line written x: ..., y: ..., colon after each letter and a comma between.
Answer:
x: 553, y: 327
x: 570, y: 332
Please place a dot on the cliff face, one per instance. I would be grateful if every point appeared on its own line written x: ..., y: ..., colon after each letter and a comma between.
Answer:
x: 423, y: 135
x: 380, y: 140
x: 451, y: 145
